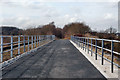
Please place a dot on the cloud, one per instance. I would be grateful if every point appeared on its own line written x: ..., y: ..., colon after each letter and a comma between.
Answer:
x: 60, y: 0
x: 26, y: 13
x: 109, y: 16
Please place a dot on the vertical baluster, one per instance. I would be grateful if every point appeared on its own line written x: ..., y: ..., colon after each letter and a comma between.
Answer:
x: 85, y: 44
x: 18, y: 45
x: 95, y: 49
x: 102, y: 51
x: 1, y: 48
x: 35, y: 41
x: 81, y: 43
x: 24, y: 43
x: 88, y: 45
x: 28, y: 44
x: 112, y: 55
x: 39, y: 40
x: 11, y: 46
x: 32, y: 41
x: 91, y: 47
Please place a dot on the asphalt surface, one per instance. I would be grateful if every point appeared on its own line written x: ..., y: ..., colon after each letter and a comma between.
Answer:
x: 59, y: 59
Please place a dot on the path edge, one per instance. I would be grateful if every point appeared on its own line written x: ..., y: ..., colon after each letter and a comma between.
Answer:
x: 12, y: 60
x: 92, y: 62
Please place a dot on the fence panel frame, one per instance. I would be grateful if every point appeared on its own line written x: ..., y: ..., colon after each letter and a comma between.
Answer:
x: 17, y: 45
x: 86, y: 43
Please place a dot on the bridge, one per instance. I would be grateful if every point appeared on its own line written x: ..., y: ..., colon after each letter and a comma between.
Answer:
x: 73, y: 58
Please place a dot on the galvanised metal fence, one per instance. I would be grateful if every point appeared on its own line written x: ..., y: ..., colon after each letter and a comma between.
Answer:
x: 21, y: 43
x: 91, y: 46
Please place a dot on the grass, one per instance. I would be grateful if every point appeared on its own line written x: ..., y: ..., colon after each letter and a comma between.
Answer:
x: 7, y: 55
x: 99, y: 51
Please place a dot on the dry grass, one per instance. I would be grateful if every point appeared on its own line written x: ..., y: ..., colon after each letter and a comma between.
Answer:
x: 7, y: 55
x: 99, y: 51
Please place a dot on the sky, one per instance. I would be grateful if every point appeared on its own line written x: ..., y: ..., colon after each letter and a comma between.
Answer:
x: 99, y: 15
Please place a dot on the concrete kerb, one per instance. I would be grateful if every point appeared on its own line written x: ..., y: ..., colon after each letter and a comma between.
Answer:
x: 104, y: 69
x: 12, y: 60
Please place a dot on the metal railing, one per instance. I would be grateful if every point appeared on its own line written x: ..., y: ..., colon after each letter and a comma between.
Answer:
x: 88, y: 44
x: 11, y: 43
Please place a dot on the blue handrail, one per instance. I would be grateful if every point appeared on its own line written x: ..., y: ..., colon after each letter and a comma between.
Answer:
x: 83, y: 42
x: 27, y: 40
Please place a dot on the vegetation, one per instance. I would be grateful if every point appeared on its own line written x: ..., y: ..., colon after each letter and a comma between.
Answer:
x: 5, y: 30
x: 75, y: 28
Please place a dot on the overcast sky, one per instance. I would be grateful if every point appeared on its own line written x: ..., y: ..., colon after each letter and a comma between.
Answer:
x: 99, y: 15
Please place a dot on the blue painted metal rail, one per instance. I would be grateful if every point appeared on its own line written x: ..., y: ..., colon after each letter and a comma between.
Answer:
x: 87, y: 43
x: 21, y: 41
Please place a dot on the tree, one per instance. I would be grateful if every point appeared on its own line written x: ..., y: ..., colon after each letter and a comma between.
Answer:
x: 75, y: 28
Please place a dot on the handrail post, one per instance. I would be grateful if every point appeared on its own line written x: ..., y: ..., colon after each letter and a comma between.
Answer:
x: 95, y: 49
x: 19, y: 45
x: 91, y: 47
x: 112, y: 55
x: 24, y: 43
x: 11, y: 46
x: 85, y: 44
x: 32, y: 42
x: 80, y: 42
x: 28, y: 43
x: 1, y: 48
x: 88, y: 45
x: 37, y: 40
x: 102, y: 51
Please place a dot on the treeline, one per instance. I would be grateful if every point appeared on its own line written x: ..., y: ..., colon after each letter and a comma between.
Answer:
x: 5, y: 30
x: 66, y: 32
x: 49, y: 29
x: 75, y: 28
